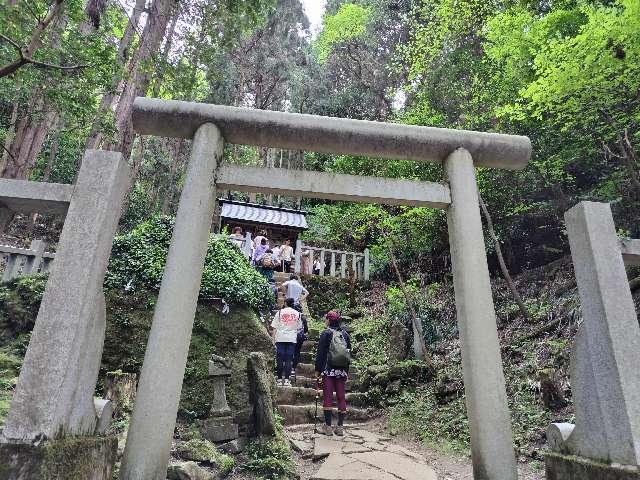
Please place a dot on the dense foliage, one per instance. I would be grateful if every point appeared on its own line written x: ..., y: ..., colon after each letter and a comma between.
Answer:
x: 138, y: 260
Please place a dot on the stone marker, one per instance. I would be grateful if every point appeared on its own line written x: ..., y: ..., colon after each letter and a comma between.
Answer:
x: 219, y: 427
x: 56, y: 386
x: 262, y: 417
x: 605, y: 377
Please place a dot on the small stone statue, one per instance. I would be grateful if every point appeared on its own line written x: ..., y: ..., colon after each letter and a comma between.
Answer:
x: 219, y: 426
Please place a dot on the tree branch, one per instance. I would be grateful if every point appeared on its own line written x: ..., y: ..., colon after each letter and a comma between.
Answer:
x: 12, y: 42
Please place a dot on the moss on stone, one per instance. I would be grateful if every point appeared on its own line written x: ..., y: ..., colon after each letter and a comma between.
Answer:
x: 201, y: 450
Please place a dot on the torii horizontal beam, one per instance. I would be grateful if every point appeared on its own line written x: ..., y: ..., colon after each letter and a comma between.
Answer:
x: 22, y: 196
x: 296, y: 131
x: 333, y: 186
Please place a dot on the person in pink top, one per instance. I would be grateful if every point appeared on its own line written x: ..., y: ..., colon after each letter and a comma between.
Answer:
x: 286, y: 324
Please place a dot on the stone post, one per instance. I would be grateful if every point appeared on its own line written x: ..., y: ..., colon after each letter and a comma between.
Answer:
x: 343, y: 265
x: 332, y: 268
x: 322, y: 264
x: 151, y: 429
x: 54, y: 394
x: 298, y: 253
x: 219, y: 427
x: 605, y: 378
x: 33, y: 263
x: 366, y: 264
x: 486, y: 399
x: 11, y: 267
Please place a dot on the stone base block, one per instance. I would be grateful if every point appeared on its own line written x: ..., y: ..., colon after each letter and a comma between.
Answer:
x: 77, y: 458
x: 219, y: 429
x: 568, y: 467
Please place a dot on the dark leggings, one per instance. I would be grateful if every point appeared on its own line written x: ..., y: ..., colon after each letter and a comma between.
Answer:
x: 284, y: 358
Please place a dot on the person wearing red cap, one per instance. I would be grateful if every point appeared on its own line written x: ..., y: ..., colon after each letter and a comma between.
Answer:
x: 332, y: 366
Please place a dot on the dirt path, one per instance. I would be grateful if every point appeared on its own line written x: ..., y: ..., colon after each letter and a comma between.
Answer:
x: 418, y: 461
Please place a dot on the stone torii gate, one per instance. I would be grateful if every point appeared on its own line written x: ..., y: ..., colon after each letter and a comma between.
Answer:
x: 210, y: 126
x: 46, y: 397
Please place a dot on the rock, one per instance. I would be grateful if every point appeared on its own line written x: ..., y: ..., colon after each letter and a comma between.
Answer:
x: 343, y: 467
x: 398, y: 465
x: 189, y: 471
x: 199, y: 450
x: 300, y: 446
x: 324, y: 446
x: 398, y: 341
x: 233, y: 447
x: 120, y: 388
x: 394, y: 387
x: 381, y: 379
x: 262, y: 418
x: 219, y: 429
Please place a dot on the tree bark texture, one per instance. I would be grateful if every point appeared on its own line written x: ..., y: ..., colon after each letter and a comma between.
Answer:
x: 142, y: 67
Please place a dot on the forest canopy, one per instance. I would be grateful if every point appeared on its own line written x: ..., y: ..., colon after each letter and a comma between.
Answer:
x: 566, y: 74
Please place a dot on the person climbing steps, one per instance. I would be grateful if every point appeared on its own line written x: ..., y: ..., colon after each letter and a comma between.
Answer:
x: 332, y: 365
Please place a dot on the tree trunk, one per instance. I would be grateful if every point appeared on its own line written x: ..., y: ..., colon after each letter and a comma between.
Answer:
x: 420, y: 348
x: 630, y: 161
x: 95, y: 136
x: 53, y: 152
x: 168, y: 198
x: 165, y: 52
x: 141, y: 71
x: 503, y: 266
x: 9, y: 136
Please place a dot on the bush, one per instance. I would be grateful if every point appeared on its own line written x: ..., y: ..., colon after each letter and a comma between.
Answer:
x: 138, y: 259
x: 270, y: 458
x: 19, y: 303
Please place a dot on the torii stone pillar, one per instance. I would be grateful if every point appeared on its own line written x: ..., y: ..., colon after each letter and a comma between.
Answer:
x: 154, y: 416
x: 486, y: 398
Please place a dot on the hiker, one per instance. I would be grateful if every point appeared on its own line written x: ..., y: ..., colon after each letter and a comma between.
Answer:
x: 302, y: 336
x: 332, y: 364
x: 277, y: 258
x: 286, y: 253
x: 292, y: 288
x: 259, y: 252
x: 236, y: 237
x: 266, y: 265
x: 286, y: 324
x: 316, y: 266
x: 262, y: 234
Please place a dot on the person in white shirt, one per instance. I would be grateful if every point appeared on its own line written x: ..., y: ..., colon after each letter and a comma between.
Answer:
x: 286, y: 253
x: 277, y: 258
x: 293, y: 289
x: 236, y: 237
x: 286, y: 324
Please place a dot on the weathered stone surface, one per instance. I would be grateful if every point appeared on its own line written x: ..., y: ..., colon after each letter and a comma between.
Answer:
x: 343, y: 467
x: 324, y: 446
x: 161, y: 377
x: 398, y: 465
x: 300, y: 446
x: 296, y: 131
x: 233, y: 447
x: 77, y: 458
x: 104, y: 412
x: 485, y: 392
x: 263, y: 422
x: 566, y: 467
x: 605, y: 378
x: 189, y: 471
x: 219, y: 429
x: 120, y: 388
x: 57, y: 381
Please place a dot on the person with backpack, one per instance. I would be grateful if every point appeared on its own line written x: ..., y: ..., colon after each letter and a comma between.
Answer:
x: 332, y: 365
x: 285, y: 325
x: 266, y: 265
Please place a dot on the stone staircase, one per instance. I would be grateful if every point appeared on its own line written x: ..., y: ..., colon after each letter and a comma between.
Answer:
x: 296, y: 404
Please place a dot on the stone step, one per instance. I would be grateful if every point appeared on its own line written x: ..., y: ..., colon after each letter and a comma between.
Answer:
x: 309, y: 346
x: 304, y: 395
x: 297, y: 414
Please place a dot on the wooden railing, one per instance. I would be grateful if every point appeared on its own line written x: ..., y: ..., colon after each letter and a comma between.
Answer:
x: 24, y: 261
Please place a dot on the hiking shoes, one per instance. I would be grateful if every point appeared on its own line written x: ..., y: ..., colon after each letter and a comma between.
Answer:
x: 339, y: 430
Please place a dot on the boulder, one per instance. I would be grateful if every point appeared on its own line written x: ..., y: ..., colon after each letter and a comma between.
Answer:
x: 189, y: 471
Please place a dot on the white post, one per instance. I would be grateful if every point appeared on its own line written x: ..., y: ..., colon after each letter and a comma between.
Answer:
x: 11, y: 264
x: 154, y: 416
x: 246, y: 248
x: 298, y: 254
x: 332, y: 268
x: 343, y: 265
x: 492, y: 448
x: 322, y: 262
x: 354, y: 265
x: 366, y: 264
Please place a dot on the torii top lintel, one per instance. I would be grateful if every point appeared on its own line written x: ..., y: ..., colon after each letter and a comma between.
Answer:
x: 296, y: 131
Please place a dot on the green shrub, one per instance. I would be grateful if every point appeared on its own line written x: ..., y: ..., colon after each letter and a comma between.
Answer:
x: 19, y: 303
x: 138, y: 259
x: 270, y: 458
x: 201, y: 450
